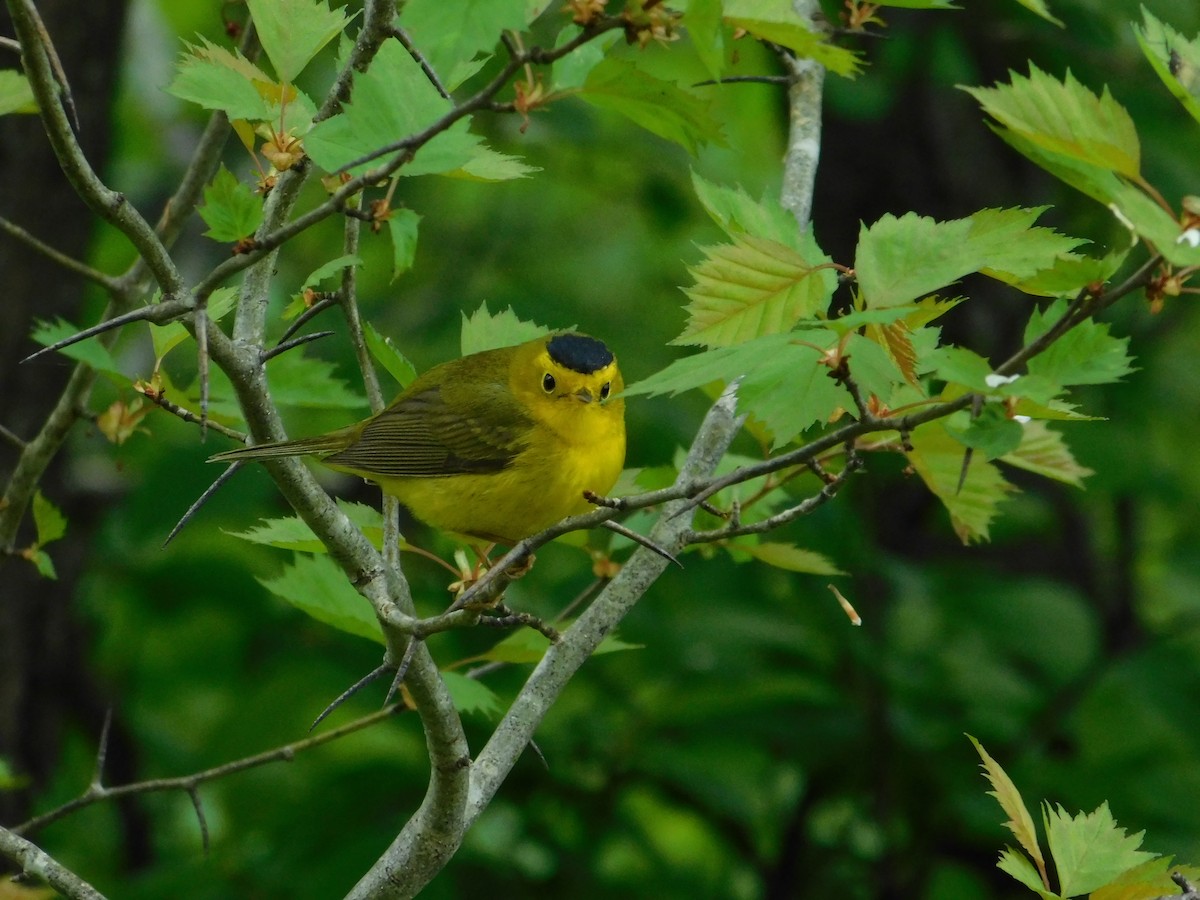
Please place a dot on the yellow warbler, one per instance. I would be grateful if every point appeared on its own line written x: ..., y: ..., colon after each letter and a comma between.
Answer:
x: 496, y: 445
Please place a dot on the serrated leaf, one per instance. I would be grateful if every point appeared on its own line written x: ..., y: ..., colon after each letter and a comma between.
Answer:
x: 43, y: 563
x: 737, y: 212
x: 89, y: 351
x: 317, y: 587
x: 231, y: 210
x: 1094, y: 181
x: 373, y: 119
x: 1020, y: 868
x: 292, y: 32
x: 1071, y: 272
x: 1064, y: 117
x: 329, y: 269
x: 791, y: 558
x: 386, y: 354
x: 991, y: 432
x: 791, y: 391
x: 1089, y: 849
x: 292, y: 533
x: 1012, y: 247
x: 750, y: 288
x: 901, y: 259
x: 449, y: 35
x: 470, y: 695
x: 1153, y: 224
x: 659, y: 106
x: 1039, y: 7
x: 938, y: 459
x: 958, y: 365
x: 16, y: 96
x: 50, y: 523
x: 309, y: 382
x: 1044, y: 452
x: 216, y: 78
x: 1174, y: 58
x: 402, y: 228
x: 484, y: 331
x: 1020, y: 822
x: 490, y: 165
x: 1087, y: 354
x: 703, y: 23
x: 1149, y: 881
x: 777, y: 21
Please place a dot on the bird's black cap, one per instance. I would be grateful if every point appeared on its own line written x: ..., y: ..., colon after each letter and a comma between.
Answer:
x: 579, y: 352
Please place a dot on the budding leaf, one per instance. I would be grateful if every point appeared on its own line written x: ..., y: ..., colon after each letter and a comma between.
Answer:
x: 1089, y: 849
x: 230, y: 209
x: 292, y: 32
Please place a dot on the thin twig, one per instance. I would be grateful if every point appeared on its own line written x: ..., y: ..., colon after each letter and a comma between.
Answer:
x: 201, y: 500
x: 508, y: 618
x: 285, y: 753
x: 37, y: 862
x: 401, y: 670
x: 294, y: 343
x: 406, y: 42
x: 640, y: 539
x: 13, y: 439
x: 157, y: 313
x: 349, y: 692
x: 194, y: 793
x: 315, y: 310
x: 113, y: 285
x: 747, y: 79
x: 160, y: 400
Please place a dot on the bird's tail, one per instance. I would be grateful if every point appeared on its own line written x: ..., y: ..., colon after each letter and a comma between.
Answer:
x: 321, y: 445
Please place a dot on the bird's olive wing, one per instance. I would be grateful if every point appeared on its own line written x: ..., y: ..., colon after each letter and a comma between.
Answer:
x: 421, y: 434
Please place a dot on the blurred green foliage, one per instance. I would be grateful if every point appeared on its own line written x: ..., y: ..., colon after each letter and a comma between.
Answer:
x: 758, y: 747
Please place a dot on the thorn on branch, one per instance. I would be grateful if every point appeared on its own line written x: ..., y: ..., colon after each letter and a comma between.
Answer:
x: 646, y: 542
x: 12, y: 438
x: 158, y: 313
x: 785, y: 80
x: 401, y: 670
x: 406, y: 42
x: 201, y: 500
x: 285, y: 346
x: 325, y: 301
x: 194, y: 793
x: 102, y: 752
x: 349, y: 692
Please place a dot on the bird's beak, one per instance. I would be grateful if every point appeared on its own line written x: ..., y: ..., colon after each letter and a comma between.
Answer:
x: 583, y: 395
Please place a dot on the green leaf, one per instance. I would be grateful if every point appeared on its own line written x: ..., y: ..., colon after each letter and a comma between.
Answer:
x: 51, y: 524
x: 292, y: 533
x: 1087, y: 354
x: 991, y: 432
x: 44, y: 564
x: 216, y: 78
x: 329, y: 269
x: 402, y: 227
x: 386, y: 354
x: 1020, y: 868
x: 776, y: 21
x: 1064, y: 117
x: 373, y: 118
x: 754, y: 287
x: 450, y: 34
x: 958, y: 365
x: 1089, y: 850
x: 231, y: 210
x: 1039, y: 7
x: 790, y: 558
x: 1175, y: 59
x: 471, y: 695
x: 1149, y: 881
x: 1044, y: 452
x: 1097, y: 182
x: 490, y: 165
x: 89, y: 351
x: 737, y: 213
x: 16, y: 96
x: 292, y: 32
x: 919, y: 4
x: 570, y: 72
x: 1070, y: 272
x: 899, y: 260
x: 1020, y: 822
x: 938, y: 459
x: 1159, y: 228
x: 309, y: 382
x: 316, y: 586
x: 1012, y: 248
x: 703, y: 23
x: 483, y: 331
x: 662, y: 108
x: 529, y: 646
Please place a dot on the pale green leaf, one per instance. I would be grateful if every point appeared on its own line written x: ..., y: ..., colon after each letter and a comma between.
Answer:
x: 938, y: 459
x: 292, y: 32
x: 44, y: 564
x: 1044, y: 452
x: 753, y: 287
x: 1070, y: 272
x: 662, y: 108
x: 231, y: 210
x: 484, y: 331
x: 49, y: 521
x: 1175, y: 58
x: 216, y: 78
x: 1020, y: 822
x: 1065, y: 117
x: 470, y: 695
x: 292, y: 533
x: 89, y: 351
x: 1040, y: 8
x: 1149, y: 881
x: 16, y: 96
x: 1153, y: 224
x: 329, y: 269
x: 703, y: 24
x: 737, y: 212
x: 958, y: 365
x: 778, y: 22
x: 490, y: 165
x: 571, y: 72
x: 1095, y: 181
x: 1087, y: 354
x: 1020, y: 868
x: 1012, y: 248
x: 386, y: 354
x: 316, y: 586
x: 309, y: 382
x: 791, y: 558
x: 901, y: 259
x: 992, y: 433
x: 402, y: 228
x: 1089, y: 849
x: 449, y: 35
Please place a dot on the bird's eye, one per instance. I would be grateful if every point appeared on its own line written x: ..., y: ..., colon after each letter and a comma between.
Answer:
x: 548, y: 383
x: 604, y: 390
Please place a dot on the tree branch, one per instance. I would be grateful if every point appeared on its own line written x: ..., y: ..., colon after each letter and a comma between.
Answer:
x: 39, y: 864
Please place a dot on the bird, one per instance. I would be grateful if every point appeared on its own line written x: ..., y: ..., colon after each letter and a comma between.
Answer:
x: 496, y: 445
